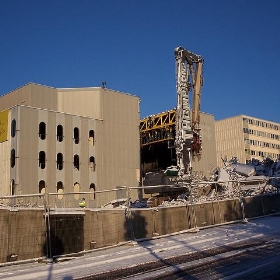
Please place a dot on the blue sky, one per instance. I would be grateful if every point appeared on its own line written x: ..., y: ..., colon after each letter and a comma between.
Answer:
x: 130, y: 44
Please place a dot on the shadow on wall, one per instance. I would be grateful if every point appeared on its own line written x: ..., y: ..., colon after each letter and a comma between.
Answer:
x: 232, y: 210
x: 261, y: 205
x: 135, y: 225
x: 65, y: 235
x: 53, y: 246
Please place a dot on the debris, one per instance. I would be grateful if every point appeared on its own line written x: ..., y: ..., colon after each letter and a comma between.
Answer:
x: 233, y: 180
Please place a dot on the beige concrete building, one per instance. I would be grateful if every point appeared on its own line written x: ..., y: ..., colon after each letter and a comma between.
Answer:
x: 60, y: 140
x: 246, y: 138
x: 157, y: 134
x: 204, y: 164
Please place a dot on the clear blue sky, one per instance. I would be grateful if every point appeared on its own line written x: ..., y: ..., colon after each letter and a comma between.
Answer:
x: 129, y: 44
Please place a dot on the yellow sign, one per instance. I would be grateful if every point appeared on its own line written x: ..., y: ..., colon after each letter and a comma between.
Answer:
x: 4, y: 126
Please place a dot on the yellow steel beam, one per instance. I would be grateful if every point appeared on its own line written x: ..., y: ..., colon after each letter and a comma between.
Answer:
x: 158, y: 121
x: 158, y: 128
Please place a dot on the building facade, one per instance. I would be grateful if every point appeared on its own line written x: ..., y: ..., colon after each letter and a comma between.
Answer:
x: 157, y: 135
x: 56, y: 140
x: 246, y: 138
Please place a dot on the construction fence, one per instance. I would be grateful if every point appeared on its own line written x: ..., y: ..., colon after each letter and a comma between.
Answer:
x: 50, y: 225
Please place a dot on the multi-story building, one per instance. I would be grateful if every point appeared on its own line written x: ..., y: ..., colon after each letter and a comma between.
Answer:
x: 157, y: 135
x: 62, y: 140
x: 246, y: 138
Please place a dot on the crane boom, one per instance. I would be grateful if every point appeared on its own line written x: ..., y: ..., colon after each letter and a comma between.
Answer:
x: 188, y: 79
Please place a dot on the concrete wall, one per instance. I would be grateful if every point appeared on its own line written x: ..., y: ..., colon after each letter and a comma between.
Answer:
x: 230, y: 139
x: 30, y: 95
x: 203, y: 165
x: 81, y: 101
x: 23, y: 232
x: 26, y: 173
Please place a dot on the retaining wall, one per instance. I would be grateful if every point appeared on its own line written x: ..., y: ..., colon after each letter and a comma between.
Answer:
x: 23, y: 231
x: 22, y: 234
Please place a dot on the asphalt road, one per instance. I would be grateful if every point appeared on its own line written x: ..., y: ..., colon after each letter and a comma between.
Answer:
x: 236, y: 251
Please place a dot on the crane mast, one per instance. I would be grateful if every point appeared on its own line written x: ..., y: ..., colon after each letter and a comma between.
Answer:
x: 188, y: 80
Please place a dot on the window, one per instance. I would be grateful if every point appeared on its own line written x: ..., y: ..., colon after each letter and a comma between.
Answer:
x: 13, y: 128
x: 42, y: 159
x: 59, y: 133
x: 76, y: 162
x: 260, y: 154
x: 91, y: 137
x: 76, y: 135
x: 76, y: 191
x: 60, y: 190
x: 42, y: 130
x: 42, y: 186
x: 92, y: 164
x: 59, y: 186
x: 92, y: 189
x: 13, y: 157
x: 266, y: 144
x: 13, y: 187
x: 59, y: 161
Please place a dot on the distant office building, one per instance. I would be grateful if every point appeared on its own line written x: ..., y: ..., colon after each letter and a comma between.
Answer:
x: 61, y: 140
x: 246, y: 138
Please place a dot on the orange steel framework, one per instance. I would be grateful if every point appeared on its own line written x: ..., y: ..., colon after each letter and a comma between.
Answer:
x: 158, y: 128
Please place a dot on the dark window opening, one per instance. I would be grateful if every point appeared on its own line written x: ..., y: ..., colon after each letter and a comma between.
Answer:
x: 13, y: 128
x: 42, y: 159
x: 76, y: 135
x: 92, y: 164
x: 59, y: 161
x: 42, y: 130
x: 42, y: 186
x: 59, y: 133
x: 91, y: 137
x: 13, y: 157
x: 59, y: 186
x: 76, y: 162
x: 13, y: 185
x: 92, y: 189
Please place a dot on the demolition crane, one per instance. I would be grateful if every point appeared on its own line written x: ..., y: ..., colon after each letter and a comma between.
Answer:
x: 189, y: 80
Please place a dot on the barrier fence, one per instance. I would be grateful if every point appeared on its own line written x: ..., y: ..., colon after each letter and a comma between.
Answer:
x: 38, y: 225
x: 200, y: 191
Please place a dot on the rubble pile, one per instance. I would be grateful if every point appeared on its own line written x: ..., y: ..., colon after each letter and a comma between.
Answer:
x: 235, y: 179
x: 21, y: 205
